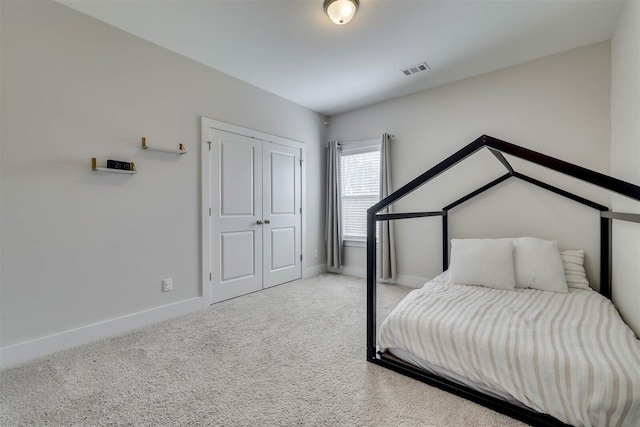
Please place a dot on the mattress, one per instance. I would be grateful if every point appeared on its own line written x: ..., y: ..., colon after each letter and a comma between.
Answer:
x: 567, y: 355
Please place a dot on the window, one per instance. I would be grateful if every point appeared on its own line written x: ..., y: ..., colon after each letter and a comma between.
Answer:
x: 360, y: 186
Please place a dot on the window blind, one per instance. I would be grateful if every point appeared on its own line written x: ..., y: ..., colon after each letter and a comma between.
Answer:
x: 360, y: 188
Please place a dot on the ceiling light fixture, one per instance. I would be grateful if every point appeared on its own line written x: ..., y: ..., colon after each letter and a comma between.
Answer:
x: 341, y: 11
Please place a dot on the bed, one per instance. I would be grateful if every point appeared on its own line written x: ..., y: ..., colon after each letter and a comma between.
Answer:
x: 568, y: 355
x: 544, y: 356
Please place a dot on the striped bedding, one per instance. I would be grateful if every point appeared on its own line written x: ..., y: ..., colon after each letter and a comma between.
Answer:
x: 567, y: 355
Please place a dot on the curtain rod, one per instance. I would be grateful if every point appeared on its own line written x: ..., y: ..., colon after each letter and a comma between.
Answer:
x: 365, y: 139
x: 360, y: 140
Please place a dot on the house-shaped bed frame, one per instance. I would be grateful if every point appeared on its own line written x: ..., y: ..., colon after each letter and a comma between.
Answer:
x: 497, y: 148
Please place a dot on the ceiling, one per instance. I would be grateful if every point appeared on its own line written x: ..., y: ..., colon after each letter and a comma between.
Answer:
x: 292, y: 49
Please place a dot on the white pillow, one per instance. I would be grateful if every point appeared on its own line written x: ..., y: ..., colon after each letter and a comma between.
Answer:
x: 538, y: 265
x: 484, y: 262
x: 573, y: 262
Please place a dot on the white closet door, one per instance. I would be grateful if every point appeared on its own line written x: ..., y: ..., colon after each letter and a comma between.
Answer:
x: 282, y: 214
x: 236, y: 214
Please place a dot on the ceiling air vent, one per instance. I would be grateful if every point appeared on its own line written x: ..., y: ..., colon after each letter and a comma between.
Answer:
x: 415, y: 69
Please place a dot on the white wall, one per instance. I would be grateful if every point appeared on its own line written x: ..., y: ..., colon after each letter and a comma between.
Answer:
x: 0, y: 180
x: 558, y: 105
x: 625, y: 159
x: 78, y: 246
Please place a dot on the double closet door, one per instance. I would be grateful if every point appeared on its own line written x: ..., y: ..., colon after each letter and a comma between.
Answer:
x: 255, y: 214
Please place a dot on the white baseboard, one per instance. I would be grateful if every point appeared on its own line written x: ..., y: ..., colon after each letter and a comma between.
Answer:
x: 314, y: 270
x: 349, y: 271
x: 411, y: 281
x: 22, y: 352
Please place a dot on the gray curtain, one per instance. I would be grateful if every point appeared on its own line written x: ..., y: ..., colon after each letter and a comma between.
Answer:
x: 333, y: 226
x: 386, y: 242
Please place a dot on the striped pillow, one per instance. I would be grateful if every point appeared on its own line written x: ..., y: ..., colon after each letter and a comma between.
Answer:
x: 573, y: 262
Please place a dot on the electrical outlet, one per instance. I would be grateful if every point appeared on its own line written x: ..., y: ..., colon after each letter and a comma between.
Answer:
x: 315, y: 253
x: 167, y: 285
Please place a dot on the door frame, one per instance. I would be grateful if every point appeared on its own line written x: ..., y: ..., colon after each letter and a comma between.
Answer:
x: 205, y: 202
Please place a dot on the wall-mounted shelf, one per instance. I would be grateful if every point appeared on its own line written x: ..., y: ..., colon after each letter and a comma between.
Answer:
x: 180, y: 149
x: 94, y: 167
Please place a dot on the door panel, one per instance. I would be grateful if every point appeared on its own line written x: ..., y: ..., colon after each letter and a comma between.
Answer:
x: 237, y: 170
x: 283, y: 175
x: 283, y: 248
x: 282, y: 203
x: 236, y: 267
x: 236, y: 198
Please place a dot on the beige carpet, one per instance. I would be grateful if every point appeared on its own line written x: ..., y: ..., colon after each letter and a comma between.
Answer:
x: 293, y: 355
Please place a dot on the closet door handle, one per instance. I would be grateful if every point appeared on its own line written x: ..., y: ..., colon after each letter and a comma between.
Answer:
x: 259, y: 222
x: 266, y: 221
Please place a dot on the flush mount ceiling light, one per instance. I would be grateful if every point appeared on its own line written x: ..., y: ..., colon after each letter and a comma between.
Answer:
x: 341, y: 11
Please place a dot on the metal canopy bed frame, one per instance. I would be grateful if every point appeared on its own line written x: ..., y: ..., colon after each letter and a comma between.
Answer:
x: 497, y: 148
